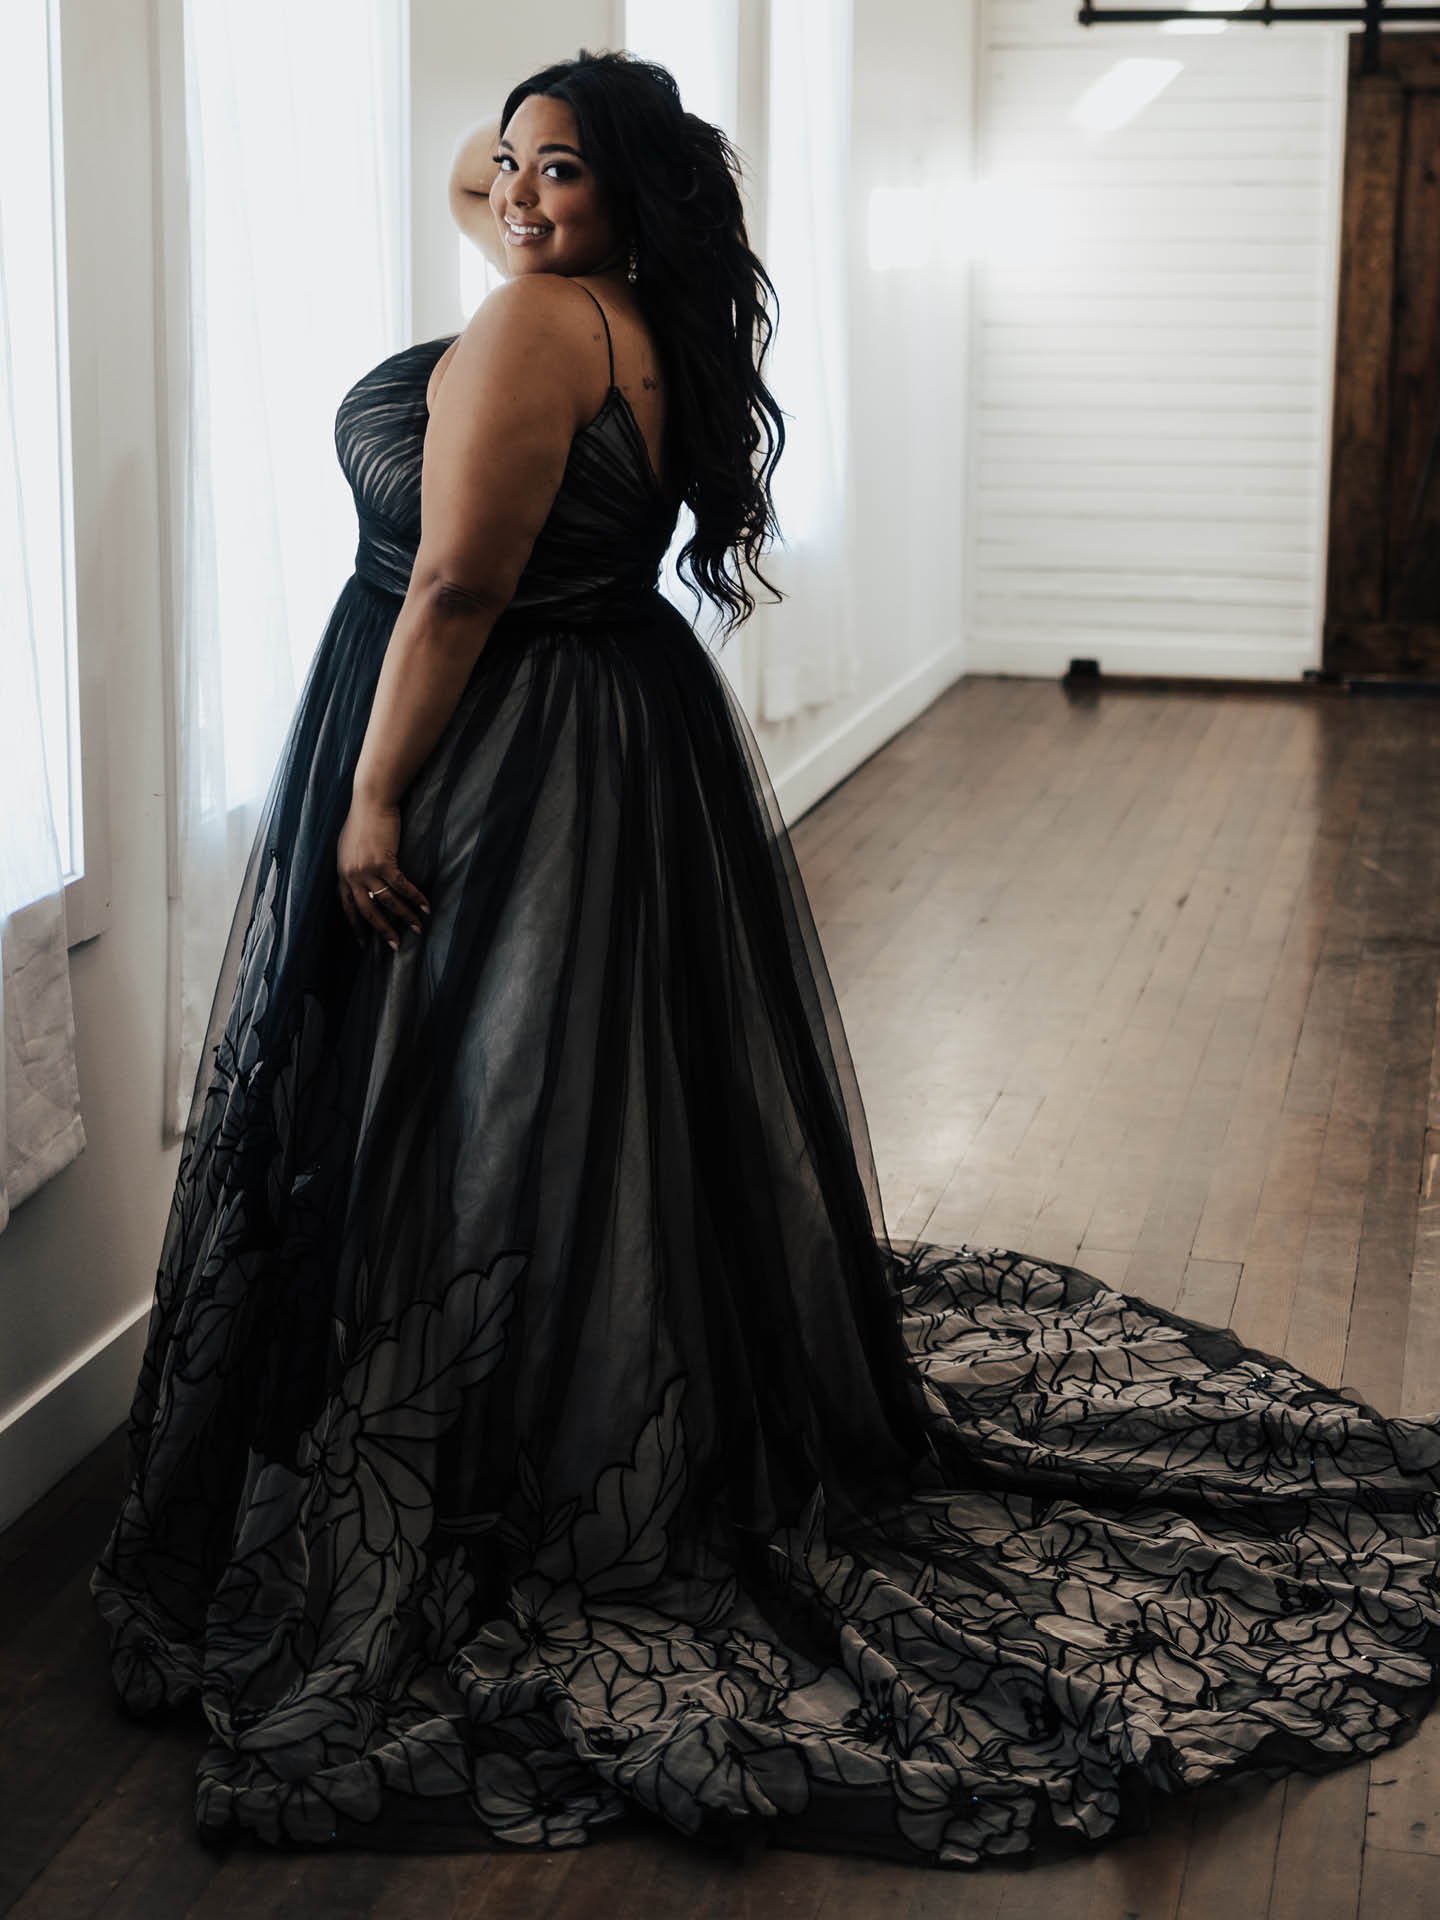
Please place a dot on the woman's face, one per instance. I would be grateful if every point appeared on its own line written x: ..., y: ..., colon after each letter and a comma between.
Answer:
x: 544, y: 181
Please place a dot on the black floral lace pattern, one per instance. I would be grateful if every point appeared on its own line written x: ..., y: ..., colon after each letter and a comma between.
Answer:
x: 537, y: 1423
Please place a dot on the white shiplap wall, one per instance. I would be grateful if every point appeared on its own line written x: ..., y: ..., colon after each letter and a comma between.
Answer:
x: 1153, y: 349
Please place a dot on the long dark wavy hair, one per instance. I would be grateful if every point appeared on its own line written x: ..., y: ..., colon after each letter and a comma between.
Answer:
x: 670, y: 182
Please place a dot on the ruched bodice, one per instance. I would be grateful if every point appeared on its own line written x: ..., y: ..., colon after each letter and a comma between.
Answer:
x: 600, y: 547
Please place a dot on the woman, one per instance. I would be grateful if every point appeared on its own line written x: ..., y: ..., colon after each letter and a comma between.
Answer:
x: 536, y: 1424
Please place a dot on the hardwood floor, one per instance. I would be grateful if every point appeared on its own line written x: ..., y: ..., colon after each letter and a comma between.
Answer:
x: 1146, y: 982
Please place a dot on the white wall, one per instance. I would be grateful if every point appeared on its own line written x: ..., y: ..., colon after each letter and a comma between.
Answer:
x: 1154, y: 351
x: 77, y: 1260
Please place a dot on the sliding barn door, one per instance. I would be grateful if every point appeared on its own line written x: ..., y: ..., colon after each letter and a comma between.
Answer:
x: 1382, y: 609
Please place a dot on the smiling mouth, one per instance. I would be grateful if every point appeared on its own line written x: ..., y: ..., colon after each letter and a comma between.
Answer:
x: 521, y: 234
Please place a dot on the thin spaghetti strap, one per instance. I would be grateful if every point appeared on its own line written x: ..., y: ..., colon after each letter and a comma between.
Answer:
x: 609, y: 345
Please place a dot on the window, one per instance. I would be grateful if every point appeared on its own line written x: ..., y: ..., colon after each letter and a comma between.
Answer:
x: 32, y: 233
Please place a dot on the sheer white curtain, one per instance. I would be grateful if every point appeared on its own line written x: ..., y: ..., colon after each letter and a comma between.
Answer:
x: 807, y: 652
x: 295, y: 147
x: 40, y: 1126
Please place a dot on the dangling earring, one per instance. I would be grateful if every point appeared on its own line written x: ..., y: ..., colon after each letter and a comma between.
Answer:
x: 630, y: 274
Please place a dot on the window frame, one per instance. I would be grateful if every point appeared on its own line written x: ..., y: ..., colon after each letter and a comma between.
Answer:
x: 87, y: 893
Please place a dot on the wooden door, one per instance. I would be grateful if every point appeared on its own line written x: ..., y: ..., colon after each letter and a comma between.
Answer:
x: 1382, y: 603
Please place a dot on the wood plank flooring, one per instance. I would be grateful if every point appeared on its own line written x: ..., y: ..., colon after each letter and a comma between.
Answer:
x: 1146, y: 982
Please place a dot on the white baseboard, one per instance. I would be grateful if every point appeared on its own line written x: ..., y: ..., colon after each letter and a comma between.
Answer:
x: 864, y: 732
x: 1047, y: 656
x: 68, y: 1415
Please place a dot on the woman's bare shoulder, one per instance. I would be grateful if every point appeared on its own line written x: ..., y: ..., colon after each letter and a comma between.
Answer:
x: 536, y: 324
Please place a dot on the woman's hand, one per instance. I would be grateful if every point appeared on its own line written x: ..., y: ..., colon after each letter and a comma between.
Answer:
x: 365, y: 857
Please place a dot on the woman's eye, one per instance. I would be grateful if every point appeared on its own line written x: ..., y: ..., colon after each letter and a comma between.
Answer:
x: 563, y: 171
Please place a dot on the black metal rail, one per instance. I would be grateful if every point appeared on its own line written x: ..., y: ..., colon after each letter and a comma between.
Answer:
x: 1373, y: 15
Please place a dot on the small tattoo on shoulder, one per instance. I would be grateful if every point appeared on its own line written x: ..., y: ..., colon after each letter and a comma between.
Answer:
x: 646, y: 381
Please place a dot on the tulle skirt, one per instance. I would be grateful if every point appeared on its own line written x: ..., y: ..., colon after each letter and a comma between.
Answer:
x: 537, y: 1423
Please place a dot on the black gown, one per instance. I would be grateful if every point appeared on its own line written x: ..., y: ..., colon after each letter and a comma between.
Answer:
x: 537, y: 1423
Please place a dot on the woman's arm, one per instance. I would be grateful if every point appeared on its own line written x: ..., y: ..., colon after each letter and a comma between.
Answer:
x: 495, y: 451
x: 471, y: 174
